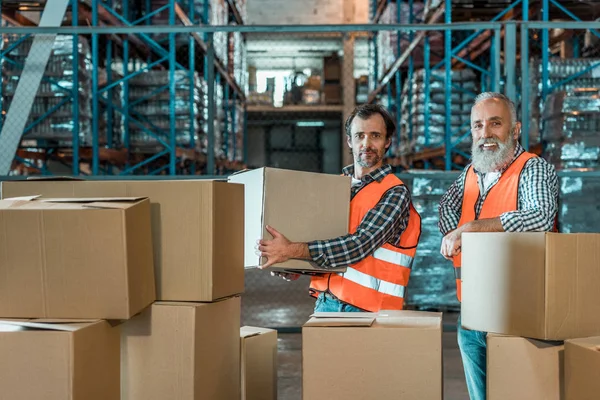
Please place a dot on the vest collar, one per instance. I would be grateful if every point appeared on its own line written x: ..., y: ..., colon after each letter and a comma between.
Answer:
x: 376, y: 175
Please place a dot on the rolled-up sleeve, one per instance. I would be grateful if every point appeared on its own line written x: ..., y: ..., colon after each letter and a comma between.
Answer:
x: 538, y: 199
x: 451, y: 205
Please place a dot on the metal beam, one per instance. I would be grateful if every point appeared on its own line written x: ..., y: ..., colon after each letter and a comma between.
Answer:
x: 510, y: 60
x: 31, y: 76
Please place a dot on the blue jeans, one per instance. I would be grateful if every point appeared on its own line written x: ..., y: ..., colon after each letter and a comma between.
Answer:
x: 473, y: 348
x: 327, y: 302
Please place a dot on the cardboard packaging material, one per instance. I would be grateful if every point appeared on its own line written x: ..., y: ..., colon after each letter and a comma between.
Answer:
x: 197, y: 230
x: 386, y: 355
x: 582, y: 368
x: 519, y: 368
x: 75, y: 258
x: 59, y: 359
x: 303, y: 206
x: 184, y: 351
x: 537, y: 285
x: 258, y: 363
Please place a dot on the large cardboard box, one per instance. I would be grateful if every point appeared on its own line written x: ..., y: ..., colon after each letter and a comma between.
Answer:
x: 58, y: 360
x: 519, y: 368
x: 365, y: 356
x: 582, y: 369
x: 258, y: 363
x: 75, y: 258
x: 537, y: 285
x: 303, y: 206
x: 184, y: 351
x: 197, y: 230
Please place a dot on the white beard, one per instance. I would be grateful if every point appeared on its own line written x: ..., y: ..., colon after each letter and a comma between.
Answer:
x: 489, y: 161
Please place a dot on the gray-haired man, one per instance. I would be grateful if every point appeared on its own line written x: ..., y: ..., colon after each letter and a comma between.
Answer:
x: 504, y: 189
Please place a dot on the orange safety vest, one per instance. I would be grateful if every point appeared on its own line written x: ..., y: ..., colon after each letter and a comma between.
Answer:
x: 502, y: 197
x: 379, y: 281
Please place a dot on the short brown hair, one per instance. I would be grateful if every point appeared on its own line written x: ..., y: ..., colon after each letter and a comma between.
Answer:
x: 365, y: 111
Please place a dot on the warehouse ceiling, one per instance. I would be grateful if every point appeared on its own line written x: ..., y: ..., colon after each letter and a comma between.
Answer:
x: 300, y: 51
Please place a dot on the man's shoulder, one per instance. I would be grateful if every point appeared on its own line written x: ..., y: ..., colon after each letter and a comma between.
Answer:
x: 537, y: 163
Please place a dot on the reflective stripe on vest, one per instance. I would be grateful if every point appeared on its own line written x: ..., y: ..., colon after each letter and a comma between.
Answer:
x: 393, y: 257
x: 457, y: 273
x: 373, y: 283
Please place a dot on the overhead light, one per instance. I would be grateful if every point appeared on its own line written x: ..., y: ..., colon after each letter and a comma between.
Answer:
x: 311, y: 124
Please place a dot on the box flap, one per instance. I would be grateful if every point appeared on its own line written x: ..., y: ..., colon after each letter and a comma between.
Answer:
x: 93, y: 200
x: 409, y: 319
x: 22, y: 198
x: 334, y: 319
x: 249, y: 331
x: 53, y: 178
x: 47, y: 324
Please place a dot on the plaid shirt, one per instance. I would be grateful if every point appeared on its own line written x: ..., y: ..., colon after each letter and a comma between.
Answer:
x: 384, y: 223
x: 537, y: 205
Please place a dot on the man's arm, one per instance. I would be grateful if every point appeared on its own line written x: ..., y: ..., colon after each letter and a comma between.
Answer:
x: 538, y: 205
x: 380, y: 224
x: 451, y: 205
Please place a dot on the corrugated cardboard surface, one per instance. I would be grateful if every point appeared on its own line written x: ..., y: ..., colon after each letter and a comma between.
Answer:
x: 303, y: 206
x: 537, y: 285
x: 184, y: 351
x: 60, y: 360
x: 197, y: 227
x: 258, y: 363
x: 75, y: 260
x: 519, y: 368
x: 582, y: 369
x: 399, y: 355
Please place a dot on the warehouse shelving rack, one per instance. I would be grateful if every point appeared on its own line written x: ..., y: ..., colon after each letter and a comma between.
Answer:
x: 136, y: 52
x: 497, y: 70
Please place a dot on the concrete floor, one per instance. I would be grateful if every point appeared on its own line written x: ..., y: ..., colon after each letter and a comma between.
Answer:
x: 290, y: 365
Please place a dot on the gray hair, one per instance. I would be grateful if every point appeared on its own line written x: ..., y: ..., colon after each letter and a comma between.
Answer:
x: 494, y: 95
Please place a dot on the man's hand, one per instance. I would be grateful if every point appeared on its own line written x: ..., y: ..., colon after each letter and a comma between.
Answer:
x: 280, y: 249
x: 451, y: 244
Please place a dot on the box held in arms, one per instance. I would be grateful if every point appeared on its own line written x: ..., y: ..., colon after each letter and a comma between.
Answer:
x: 303, y: 206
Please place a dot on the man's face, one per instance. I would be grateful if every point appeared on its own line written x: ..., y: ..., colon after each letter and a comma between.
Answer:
x: 494, y: 137
x: 368, y: 141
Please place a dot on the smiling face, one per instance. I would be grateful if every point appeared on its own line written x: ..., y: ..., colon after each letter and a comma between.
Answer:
x: 368, y: 141
x: 494, y: 137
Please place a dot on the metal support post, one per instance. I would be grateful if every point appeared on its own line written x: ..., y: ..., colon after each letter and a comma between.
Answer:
x: 75, y: 65
x: 95, y: 100
x: 448, y: 86
x: 510, y: 59
x: 210, y: 80
x: 172, y: 93
x: 545, y: 49
x: 525, y: 84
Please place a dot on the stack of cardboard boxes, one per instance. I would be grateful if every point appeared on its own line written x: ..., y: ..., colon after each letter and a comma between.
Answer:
x: 537, y: 296
x: 133, y: 296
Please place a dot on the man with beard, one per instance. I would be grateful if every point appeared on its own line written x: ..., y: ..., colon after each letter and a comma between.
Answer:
x: 384, y: 229
x: 504, y: 189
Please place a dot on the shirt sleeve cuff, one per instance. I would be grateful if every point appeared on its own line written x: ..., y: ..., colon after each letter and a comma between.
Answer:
x: 511, y: 222
x: 317, y: 254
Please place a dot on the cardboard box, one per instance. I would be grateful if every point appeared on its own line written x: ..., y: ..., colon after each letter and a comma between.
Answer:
x: 197, y: 228
x: 303, y: 206
x: 582, y: 369
x: 519, y: 368
x: 258, y: 363
x: 184, y: 351
x: 389, y: 355
x: 75, y: 258
x: 537, y: 285
x: 58, y: 360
